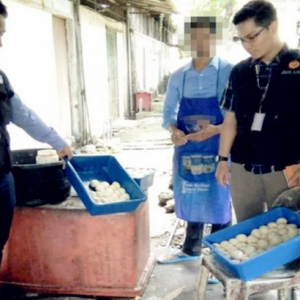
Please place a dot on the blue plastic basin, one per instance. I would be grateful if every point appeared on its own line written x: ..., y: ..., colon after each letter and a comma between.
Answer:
x: 81, y: 169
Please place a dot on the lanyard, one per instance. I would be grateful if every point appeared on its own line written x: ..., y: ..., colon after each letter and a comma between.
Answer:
x: 263, y: 97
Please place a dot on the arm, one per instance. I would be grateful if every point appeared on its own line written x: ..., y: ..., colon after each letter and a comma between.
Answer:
x: 206, y: 133
x: 30, y: 122
x: 228, y: 134
x: 170, y: 111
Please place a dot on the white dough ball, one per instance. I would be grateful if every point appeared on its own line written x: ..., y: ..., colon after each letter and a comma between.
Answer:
x: 236, y: 254
x: 122, y: 190
x: 272, y: 225
x: 116, y: 184
x: 283, y: 231
x: 241, y: 245
x: 249, y: 250
x: 275, y: 239
x: 264, y: 229
x: 262, y: 244
x: 291, y: 226
x: 104, y: 184
x: 99, y: 187
x: 94, y: 183
x: 256, y: 233
x: 108, y: 191
x: 292, y: 232
x: 281, y: 225
x: 241, y: 238
x: 96, y: 200
x: 281, y: 221
x: 252, y: 239
x: 224, y: 244
x: 233, y: 241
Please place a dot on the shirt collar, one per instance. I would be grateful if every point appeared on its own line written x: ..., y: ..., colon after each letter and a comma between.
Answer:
x: 276, y: 59
x: 213, y: 62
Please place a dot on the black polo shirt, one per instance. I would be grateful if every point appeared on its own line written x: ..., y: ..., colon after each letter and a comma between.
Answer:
x: 271, y: 89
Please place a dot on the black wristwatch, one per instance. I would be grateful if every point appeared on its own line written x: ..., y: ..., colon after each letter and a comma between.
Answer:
x: 222, y: 158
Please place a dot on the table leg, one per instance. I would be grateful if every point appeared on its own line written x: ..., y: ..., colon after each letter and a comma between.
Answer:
x: 202, y: 283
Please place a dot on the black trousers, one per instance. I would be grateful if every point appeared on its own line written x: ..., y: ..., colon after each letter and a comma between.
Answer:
x: 193, y: 239
x: 7, y: 204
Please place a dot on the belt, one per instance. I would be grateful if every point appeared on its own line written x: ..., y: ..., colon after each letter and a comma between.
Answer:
x: 262, y: 169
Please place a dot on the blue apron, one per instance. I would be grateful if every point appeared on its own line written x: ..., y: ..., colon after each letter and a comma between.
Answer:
x: 198, y: 196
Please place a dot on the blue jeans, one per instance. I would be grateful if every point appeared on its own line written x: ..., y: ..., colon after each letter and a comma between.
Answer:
x: 7, y: 204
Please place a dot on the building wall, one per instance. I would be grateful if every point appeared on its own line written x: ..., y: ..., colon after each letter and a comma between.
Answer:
x: 29, y: 58
x: 39, y: 56
x: 41, y: 60
x: 154, y: 60
x: 93, y: 32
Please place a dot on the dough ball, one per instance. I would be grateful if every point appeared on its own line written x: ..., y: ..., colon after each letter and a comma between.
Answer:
x: 104, y: 183
x: 272, y: 225
x: 237, y: 254
x: 264, y: 229
x: 116, y: 184
x: 285, y: 237
x: 256, y: 233
x: 249, y: 250
x: 292, y: 232
x: 94, y: 183
x: 241, y: 238
x: 283, y: 231
x: 262, y: 244
x: 216, y: 245
x: 275, y: 239
x: 291, y: 226
x: 241, y: 246
x: 108, y: 191
x: 281, y: 225
x: 233, y: 241
x: 224, y: 244
x: 281, y: 221
x: 122, y: 190
x: 99, y: 187
x: 252, y: 239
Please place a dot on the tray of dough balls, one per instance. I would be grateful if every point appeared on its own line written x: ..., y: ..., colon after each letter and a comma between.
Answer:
x: 103, y: 185
x: 259, y: 244
x: 143, y: 177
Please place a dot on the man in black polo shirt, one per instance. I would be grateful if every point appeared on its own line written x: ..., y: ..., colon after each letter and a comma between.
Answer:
x: 261, y: 127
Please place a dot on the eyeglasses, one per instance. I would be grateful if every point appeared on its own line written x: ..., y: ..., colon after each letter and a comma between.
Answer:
x: 249, y: 39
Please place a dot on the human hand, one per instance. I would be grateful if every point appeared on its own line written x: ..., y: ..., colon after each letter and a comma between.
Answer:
x: 295, y: 179
x: 222, y: 173
x: 178, y: 137
x: 204, y: 134
x: 66, y: 151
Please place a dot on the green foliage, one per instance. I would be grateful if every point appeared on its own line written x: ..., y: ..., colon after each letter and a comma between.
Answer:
x: 215, y: 7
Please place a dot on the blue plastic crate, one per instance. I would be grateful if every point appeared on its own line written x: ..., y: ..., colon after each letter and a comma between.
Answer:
x: 81, y: 169
x: 144, y: 181
x: 265, y: 261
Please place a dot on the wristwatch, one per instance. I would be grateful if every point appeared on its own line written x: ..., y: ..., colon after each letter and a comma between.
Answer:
x: 222, y: 158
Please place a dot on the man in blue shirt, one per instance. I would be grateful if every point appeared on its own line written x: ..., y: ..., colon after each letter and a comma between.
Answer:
x: 193, y: 117
x: 13, y: 110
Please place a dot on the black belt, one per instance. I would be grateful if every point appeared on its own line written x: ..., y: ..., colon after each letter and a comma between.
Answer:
x: 262, y: 169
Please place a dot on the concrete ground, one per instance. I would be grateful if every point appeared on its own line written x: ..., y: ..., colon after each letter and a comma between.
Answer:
x: 148, y: 146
